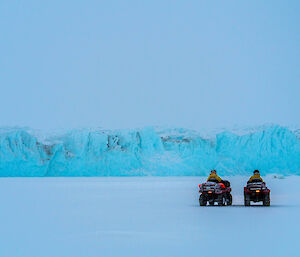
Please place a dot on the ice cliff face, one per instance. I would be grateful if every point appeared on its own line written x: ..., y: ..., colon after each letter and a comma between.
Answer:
x: 149, y: 151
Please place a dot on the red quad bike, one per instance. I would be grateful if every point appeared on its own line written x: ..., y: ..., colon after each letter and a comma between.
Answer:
x: 212, y: 192
x: 256, y: 191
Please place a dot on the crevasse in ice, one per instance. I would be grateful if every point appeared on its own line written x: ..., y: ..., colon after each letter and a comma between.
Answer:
x: 149, y: 151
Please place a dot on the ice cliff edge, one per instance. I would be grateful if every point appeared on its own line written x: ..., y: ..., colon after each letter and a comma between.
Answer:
x: 149, y: 151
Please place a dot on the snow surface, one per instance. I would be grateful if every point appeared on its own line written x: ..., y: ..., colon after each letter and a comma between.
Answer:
x: 149, y: 151
x: 143, y: 216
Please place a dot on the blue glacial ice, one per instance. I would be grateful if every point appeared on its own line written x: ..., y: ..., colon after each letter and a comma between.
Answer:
x: 149, y: 151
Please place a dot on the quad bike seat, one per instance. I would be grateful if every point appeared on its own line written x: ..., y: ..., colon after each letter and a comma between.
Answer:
x: 226, y: 183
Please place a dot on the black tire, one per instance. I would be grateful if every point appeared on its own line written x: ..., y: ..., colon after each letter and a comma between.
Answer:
x: 247, y: 200
x: 266, y: 200
x: 202, y: 200
x: 211, y: 203
x: 221, y: 200
x: 229, y: 199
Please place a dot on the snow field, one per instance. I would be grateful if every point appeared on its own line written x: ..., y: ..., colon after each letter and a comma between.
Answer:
x: 143, y: 216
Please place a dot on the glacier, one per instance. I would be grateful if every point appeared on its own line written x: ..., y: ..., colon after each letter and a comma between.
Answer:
x: 149, y: 151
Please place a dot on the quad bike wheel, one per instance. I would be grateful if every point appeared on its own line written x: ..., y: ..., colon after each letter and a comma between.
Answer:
x: 211, y: 203
x: 247, y: 200
x: 229, y: 199
x: 202, y: 200
x: 266, y: 200
x: 221, y: 200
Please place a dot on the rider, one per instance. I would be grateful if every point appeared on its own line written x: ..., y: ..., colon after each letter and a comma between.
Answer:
x: 214, y: 177
x: 256, y: 177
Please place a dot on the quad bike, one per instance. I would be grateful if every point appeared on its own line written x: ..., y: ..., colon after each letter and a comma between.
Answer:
x: 213, y: 191
x: 256, y: 191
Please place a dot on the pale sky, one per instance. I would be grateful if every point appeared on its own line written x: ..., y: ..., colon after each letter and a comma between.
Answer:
x: 128, y: 64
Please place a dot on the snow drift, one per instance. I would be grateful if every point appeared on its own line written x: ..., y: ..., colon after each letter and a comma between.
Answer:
x: 149, y: 151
